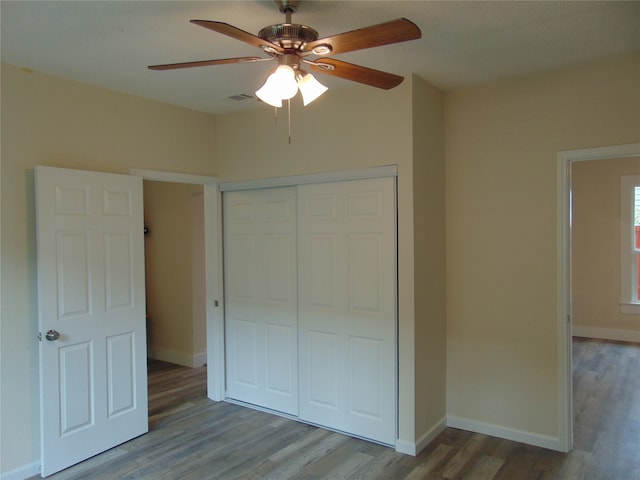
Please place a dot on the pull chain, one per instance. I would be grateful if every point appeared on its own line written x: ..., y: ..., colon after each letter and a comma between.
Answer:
x: 289, y: 115
x: 275, y: 117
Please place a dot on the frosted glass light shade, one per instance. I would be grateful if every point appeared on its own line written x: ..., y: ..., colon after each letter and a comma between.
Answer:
x: 280, y: 85
x: 269, y: 96
x: 310, y: 88
x: 284, y: 80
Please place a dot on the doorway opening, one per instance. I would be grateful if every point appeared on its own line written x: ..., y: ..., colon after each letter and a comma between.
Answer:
x: 175, y: 274
x: 603, y: 328
x: 209, y: 270
x: 565, y: 309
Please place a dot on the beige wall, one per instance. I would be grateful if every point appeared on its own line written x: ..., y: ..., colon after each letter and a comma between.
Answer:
x: 429, y: 257
x: 595, y: 231
x: 55, y: 122
x: 175, y: 326
x: 359, y: 127
x: 502, y: 142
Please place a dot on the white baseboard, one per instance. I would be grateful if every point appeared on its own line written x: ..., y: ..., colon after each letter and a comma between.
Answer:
x: 199, y: 359
x: 23, y: 472
x: 522, y: 436
x: 179, y: 358
x: 414, y: 448
x: 607, y: 333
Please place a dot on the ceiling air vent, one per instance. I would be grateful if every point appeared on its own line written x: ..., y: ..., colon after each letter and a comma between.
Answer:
x: 240, y: 96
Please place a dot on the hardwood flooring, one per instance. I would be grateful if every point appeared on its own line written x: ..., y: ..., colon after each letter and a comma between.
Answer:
x: 606, y: 408
x: 192, y: 437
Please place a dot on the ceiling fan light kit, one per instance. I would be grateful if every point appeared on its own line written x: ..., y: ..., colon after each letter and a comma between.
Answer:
x: 284, y: 82
x: 290, y: 44
x: 280, y: 85
x: 310, y: 88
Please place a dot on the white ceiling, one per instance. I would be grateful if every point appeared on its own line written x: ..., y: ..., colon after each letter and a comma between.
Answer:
x: 110, y: 43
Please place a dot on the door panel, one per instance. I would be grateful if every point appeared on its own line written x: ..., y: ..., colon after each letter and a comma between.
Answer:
x: 280, y: 340
x: 120, y: 374
x: 365, y: 355
x: 322, y: 370
x: 245, y: 347
x: 260, y: 299
x: 347, y: 306
x: 322, y: 284
x: 76, y: 378
x: 73, y: 272
x: 91, y: 291
x: 364, y: 273
x: 118, y: 270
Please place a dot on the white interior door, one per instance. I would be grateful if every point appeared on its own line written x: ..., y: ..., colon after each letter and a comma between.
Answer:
x: 347, y: 306
x: 93, y: 379
x: 260, y: 297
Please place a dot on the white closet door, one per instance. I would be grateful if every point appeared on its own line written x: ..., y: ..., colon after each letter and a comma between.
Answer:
x: 347, y: 306
x: 260, y: 290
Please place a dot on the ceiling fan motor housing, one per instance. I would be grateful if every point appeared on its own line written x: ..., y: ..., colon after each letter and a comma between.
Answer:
x: 290, y: 36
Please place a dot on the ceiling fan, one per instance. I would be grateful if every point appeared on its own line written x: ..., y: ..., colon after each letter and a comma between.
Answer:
x: 291, y: 44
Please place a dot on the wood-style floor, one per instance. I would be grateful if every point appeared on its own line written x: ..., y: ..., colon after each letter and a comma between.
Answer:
x: 192, y: 437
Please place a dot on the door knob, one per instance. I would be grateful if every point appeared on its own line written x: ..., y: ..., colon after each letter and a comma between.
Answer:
x: 52, y: 335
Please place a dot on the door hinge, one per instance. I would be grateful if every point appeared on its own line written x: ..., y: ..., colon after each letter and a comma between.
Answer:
x: 568, y: 319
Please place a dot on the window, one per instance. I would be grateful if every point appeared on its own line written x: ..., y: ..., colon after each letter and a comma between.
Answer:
x: 630, y: 243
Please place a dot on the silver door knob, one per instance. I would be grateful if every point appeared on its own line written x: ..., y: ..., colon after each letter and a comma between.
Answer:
x: 52, y: 335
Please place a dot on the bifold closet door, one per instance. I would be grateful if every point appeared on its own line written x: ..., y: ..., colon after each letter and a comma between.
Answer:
x: 347, y: 306
x: 261, y: 297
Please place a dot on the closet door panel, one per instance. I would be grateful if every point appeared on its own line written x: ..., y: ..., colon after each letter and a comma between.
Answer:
x: 347, y: 306
x: 245, y: 348
x: 261, y: 298
x: 322, y: 369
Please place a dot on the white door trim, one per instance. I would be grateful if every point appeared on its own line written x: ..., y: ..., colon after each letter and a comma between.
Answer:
x: 325, y: 177
x: 161, y: 176
x: 565, y: 396
x: 213, y: 271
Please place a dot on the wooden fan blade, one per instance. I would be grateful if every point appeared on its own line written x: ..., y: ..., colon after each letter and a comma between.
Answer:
x: 238, y: 34
x: 357, y: 73
x: 400, y: 30
x: 206, y: 63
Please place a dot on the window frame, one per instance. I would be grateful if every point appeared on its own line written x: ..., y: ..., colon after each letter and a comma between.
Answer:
x: 629, y: 303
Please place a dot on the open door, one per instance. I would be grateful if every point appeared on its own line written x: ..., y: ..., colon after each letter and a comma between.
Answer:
x: 91, y: 311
